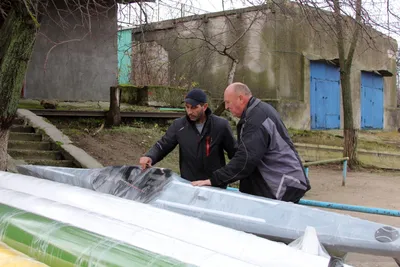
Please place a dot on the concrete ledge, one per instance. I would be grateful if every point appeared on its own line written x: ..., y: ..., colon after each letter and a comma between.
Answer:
x: 386, y: 160
x: 79, y: 155
x: 76, y: 154
x: 39, y: 123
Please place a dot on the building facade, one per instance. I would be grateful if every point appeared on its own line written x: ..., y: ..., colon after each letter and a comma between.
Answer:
x: 286, y: 57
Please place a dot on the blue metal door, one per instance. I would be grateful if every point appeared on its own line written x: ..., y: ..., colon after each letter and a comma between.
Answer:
x: 324, y: 95
x: 371, y: 101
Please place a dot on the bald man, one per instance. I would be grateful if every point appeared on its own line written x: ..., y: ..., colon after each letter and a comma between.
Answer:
x: 266, y: 162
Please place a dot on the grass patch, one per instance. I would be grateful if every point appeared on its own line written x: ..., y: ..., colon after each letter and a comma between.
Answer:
x: 377, y: 146
x: 72, y: 132
x: 81, y: 123
x: 29, y: 105
x: 376, y: 141
x: 315, y: 137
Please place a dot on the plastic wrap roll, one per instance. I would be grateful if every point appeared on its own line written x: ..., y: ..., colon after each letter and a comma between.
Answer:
x: 58, y: 244
x: 217, y: 240
x: 12, y: 258
x: 272, y: 219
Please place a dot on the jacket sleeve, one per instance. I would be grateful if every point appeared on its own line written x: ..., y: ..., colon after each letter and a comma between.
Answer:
x: 164, y: 146
x: 252, y: 147
x: 230, y: 144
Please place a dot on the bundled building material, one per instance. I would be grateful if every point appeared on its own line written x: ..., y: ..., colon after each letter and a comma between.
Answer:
x: 184, y: 238
x: 272, y: 219
x: 59, y: 244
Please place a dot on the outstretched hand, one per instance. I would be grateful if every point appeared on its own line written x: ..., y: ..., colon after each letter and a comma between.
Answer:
x: 145, y: 162
x: 201, y: 183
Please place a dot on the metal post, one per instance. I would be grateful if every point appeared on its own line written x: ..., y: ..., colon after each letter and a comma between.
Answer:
x: 344, y: 172
x: 306, y: 171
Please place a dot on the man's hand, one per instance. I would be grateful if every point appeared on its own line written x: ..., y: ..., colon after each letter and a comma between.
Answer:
x: 145, y: 162
x: 201, y: 182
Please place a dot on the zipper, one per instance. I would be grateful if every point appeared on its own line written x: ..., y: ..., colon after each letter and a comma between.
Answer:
x: 208, y: 138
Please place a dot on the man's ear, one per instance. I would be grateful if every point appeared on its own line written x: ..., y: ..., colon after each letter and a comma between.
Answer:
x: 205, y: 106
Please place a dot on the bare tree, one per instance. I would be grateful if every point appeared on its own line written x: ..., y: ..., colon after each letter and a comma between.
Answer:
x: 153, y: 64
x: 20, y: 22
x: 215, y: 45
x: 17, y: 37
x: 350, y: 22
x: 345, y: 63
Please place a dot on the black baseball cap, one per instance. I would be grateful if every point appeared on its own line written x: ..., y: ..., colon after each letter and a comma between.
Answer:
x: 195, y: 97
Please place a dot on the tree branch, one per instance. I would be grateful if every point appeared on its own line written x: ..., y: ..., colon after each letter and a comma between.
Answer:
x: 355, y: 35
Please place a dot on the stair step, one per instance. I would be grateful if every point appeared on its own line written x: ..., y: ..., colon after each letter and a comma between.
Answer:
x: 32, y: 145
x: 21, y: 129
x: 35, y: 154
x: 18, y: 121
x: 25, y: 136
x: 56, y: 163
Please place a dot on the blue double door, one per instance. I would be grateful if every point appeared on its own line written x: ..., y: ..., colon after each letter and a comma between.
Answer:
x: 325, y: 97
x: 371, y: 101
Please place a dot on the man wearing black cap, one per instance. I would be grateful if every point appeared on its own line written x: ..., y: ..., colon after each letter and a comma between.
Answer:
x: 202, y: 137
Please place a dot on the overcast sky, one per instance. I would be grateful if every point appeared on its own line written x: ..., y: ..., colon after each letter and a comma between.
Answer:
x: 169, y: 9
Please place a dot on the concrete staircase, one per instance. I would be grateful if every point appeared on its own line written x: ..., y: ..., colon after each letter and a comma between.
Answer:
x: 33, y: 148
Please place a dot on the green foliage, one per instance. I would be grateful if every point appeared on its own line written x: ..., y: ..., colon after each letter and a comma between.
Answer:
x: 58, y: 143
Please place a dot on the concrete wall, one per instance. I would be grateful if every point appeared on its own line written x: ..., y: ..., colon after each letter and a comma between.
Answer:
x: 274, y: 55
x: 77, y: 61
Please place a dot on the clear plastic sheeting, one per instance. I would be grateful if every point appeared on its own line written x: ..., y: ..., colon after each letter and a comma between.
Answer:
x: 12, y: 258
x: 272, y: 219
x: 309, y: 243
x: 181, y: 237
x: 127, y: 182
x: 59, y: 244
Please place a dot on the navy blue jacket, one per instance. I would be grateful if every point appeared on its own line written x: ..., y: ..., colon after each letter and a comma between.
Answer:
x: 200, y: 154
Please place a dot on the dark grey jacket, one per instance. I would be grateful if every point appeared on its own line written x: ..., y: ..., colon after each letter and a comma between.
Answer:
x: 199, y: 154
x: 266, y: 162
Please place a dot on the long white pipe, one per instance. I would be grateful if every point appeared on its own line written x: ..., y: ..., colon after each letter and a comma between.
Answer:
x: 225, y: 241
x: 112, y: 228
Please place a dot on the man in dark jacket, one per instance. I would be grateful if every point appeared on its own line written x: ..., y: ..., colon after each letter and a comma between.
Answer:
x: 202, y: 138
x: 266, y: 162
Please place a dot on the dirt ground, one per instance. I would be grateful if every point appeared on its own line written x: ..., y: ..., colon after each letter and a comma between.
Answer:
x: 372, y: 189
x: 366, y: 188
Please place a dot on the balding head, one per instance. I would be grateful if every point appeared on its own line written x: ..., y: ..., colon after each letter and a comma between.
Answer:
x: 236, y: 97
x: 239, y: 88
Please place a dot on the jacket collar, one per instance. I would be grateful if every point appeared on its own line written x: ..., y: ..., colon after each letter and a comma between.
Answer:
x: 208, y: 113
x: 253, y: 102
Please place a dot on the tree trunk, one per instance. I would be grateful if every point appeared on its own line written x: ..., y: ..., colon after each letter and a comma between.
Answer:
x: 3, y: 149
x: 350, y: 133
x: 17, y: 37
x: 221, y: 106
x: 114, y: 114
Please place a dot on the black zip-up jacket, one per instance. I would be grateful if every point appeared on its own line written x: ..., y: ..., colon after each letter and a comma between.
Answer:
x: 266, y: 162
x: 200, y: 154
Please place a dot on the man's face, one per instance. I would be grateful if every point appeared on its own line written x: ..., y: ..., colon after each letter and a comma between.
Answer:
x: 234, y: 103
x: 195, y: 113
